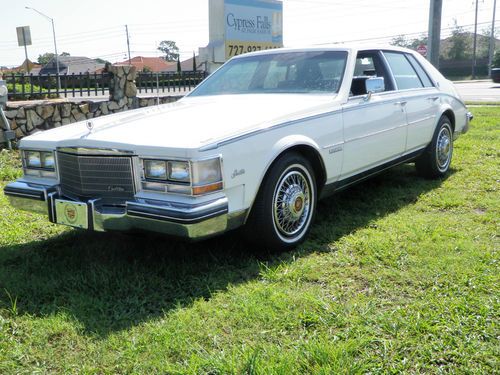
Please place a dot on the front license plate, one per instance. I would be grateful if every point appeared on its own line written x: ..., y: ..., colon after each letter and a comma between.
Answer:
x: 70, y: 213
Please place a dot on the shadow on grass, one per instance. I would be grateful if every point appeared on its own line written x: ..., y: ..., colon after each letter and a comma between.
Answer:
x: 109, y: 282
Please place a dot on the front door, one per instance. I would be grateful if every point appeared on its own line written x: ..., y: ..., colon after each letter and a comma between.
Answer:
x: 374, y: 129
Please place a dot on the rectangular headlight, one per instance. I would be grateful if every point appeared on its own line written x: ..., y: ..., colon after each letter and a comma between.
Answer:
x: 155, y: 169
x: 48, y: 161
x: 39, y: 160
x: 179, y: 171
x: 196, y: 177
x: 33, y: 159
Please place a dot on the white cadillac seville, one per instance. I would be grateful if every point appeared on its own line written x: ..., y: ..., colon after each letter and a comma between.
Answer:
x: 256, y: 144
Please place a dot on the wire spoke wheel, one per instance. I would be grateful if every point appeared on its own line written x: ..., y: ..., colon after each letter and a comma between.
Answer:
x: 444, y: 148
x: 292, y: 202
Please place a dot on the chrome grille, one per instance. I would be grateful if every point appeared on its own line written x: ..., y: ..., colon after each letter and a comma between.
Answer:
x: 87, y: 176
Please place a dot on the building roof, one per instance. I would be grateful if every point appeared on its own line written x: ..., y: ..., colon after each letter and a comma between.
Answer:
x: 23, y: 68
x: 72, y: 64
x: 153, y: 64
x: 187, y: 65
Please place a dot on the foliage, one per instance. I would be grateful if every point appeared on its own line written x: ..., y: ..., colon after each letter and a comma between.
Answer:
x: 48, y: 56
x: 458, y: 48
x: 179, y: 67
x: 170, y: 49
x: 403, y: 41
x: 38, y: 92
x: 146, y: 69
x: 496, y: 59
x: 45, y: 58
x: 102, y: 61
x: 399, y: 275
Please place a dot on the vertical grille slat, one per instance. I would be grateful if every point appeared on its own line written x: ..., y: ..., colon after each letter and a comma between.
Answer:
x: 87, y: 176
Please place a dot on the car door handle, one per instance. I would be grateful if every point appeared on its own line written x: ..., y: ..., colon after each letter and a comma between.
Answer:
x: 433, y: 98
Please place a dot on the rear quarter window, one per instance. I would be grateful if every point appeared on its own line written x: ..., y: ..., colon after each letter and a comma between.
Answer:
x: 404, y: 74
x: 424, y: 77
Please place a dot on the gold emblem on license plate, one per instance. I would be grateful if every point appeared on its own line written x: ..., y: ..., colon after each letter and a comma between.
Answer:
x: 71, y: 213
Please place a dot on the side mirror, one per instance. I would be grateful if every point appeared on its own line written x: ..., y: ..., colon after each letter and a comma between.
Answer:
x: 374, y: 85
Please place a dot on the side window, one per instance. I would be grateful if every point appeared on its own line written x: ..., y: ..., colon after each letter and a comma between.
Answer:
x: 404, y: 74
x: 420, y: 71
x: 368, y: 64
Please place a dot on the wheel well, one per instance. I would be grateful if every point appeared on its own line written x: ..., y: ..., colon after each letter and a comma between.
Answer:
x: 314, y: 158
x: 451, y: 116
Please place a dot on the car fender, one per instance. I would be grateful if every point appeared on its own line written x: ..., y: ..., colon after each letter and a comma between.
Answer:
x: 280, y: 147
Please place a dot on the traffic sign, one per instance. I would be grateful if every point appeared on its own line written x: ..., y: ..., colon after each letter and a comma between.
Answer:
x: 422, y: 49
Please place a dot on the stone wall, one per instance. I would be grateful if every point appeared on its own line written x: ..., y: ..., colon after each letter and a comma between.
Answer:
x: 28, y: 117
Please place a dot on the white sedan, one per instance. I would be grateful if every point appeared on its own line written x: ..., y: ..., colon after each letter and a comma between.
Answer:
x: 256, y: 144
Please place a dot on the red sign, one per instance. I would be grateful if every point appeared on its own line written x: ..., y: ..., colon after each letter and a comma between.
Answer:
x: 422, y: 49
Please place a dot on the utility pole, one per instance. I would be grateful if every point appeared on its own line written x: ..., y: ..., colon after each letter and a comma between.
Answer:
x: 492, y: 40
x: 474, y: 60
x: 128, y: 45
x: 434, y: 36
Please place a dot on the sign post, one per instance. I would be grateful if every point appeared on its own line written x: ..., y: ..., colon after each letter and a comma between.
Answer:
x: 241, y: 26
x: 24, y: 39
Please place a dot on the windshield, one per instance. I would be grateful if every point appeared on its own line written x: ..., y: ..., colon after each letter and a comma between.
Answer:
x: 287, y: 72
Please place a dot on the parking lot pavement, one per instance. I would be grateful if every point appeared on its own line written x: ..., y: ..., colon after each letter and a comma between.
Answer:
x: 479, y: 91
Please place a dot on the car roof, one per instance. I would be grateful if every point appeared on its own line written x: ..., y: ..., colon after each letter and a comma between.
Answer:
x: 330, y: 47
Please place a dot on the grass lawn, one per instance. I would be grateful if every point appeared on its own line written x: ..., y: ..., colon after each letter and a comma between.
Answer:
x: 399, y: 274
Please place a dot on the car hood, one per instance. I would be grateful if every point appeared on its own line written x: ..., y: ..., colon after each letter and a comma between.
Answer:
x: 189, y: 123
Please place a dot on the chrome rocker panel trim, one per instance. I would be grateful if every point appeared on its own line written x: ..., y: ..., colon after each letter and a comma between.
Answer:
x: 193, y: 221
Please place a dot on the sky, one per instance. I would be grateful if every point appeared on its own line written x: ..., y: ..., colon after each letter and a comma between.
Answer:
x: 96, y: 28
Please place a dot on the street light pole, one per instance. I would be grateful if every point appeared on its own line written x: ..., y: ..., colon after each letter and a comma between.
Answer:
x: 55, y: 45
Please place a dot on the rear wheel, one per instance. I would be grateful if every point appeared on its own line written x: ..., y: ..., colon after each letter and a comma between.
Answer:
x: 285, y: 205
x: 436, y: 159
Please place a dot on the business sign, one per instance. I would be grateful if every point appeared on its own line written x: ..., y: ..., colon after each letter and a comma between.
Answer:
x: 23, y: 36
x: 240, y: 26
x: 252, y: 25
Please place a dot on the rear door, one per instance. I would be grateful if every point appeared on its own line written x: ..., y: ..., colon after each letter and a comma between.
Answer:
x: 420, y: 96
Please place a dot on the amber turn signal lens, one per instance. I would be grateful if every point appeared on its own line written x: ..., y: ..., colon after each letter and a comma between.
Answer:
x: 198, y: 190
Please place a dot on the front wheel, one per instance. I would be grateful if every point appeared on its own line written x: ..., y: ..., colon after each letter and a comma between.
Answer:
x: 285, y: 205
x: 436, y: 159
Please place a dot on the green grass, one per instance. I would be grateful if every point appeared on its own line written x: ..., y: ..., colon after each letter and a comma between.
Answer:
x: 399, y: 274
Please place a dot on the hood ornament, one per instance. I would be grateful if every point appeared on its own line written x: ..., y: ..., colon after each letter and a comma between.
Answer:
x: 90, y: 126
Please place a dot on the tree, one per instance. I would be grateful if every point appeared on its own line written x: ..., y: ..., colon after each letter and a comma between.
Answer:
x: 458, y: 43
x: 47, y: 56
x: 496, y: 59
x: 169, y: 48
x: 415, y: 42
x: 102, y: 61
x: 400, y: 41
x: 179, y: 68
x: 194, y: 63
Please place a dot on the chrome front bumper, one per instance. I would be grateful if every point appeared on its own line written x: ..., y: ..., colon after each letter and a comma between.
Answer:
x: 194, y: 221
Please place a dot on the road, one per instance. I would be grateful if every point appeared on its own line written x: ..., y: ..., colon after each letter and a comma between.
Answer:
x: 479, y: 91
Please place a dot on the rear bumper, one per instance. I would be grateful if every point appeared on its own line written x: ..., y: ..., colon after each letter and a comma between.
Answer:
x: 194, y: 221
x: 468, y: 118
